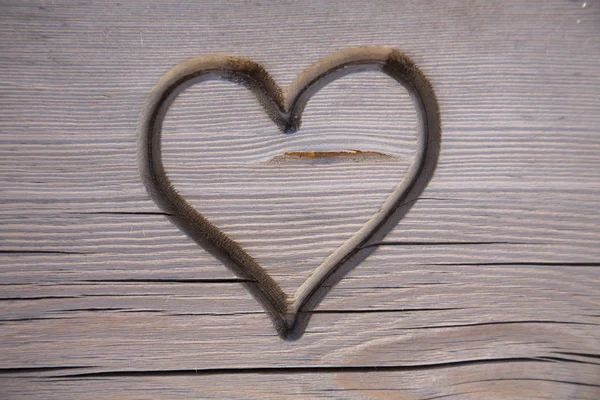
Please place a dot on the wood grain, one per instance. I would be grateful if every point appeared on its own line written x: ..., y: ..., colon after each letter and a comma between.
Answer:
x: 488, y: 288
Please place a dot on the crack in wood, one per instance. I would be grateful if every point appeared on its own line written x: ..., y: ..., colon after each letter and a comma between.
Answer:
x: 560, y: 359
x: 122, y: 213
x: 520, y: 263
x: 43, y: 252
x: 504, y: 323
x: 35, y: 298
x: 383, y: 310
x: 300, y: 370
x: 26, y: 370
x: 169, y: 280
x: 433, y: 243
x: 590, y: 355
x: 529, y: 379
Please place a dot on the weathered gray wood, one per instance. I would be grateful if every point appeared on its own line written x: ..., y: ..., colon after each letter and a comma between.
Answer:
x: 488, y: 288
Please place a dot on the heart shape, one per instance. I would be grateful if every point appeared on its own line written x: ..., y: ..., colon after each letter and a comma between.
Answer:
x: 290, y: 315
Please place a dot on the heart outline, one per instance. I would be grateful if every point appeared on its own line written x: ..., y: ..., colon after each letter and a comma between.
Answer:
x: 290, y: 315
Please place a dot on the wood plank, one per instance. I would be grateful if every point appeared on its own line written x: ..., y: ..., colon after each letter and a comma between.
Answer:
x: 496, y: 381
x: 488, y: 288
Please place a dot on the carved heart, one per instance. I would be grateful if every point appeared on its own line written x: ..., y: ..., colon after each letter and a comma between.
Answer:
x: 290, y: 315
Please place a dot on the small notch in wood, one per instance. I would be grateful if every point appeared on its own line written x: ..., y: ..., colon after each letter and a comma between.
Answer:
x: 328, y: 157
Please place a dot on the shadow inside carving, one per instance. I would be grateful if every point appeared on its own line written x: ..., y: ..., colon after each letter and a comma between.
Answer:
x: 290, y: 315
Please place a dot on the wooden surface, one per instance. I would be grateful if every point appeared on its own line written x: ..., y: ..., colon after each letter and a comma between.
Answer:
x: 488, y: 288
